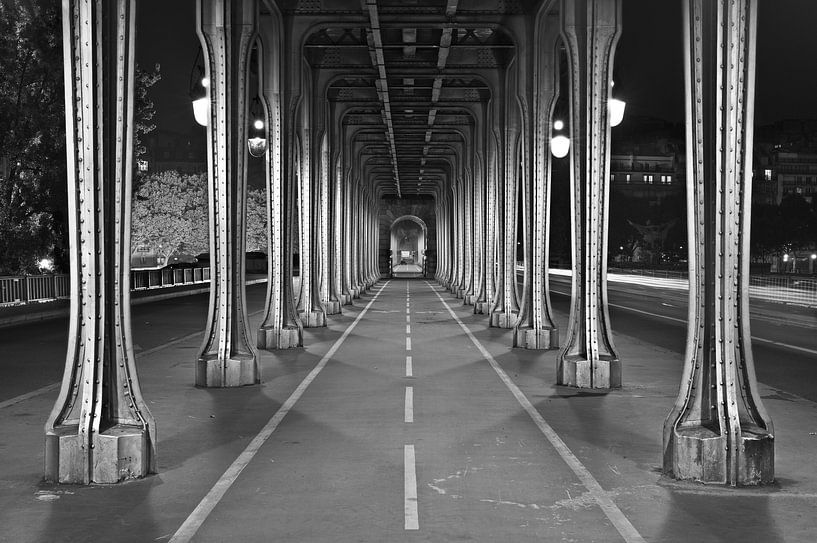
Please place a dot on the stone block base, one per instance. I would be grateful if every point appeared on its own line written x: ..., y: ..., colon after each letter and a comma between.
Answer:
x: 355, y: 293
x: 699, y: 454
x: 481, y: 308
x: 313, y: 319
x: 346, y: 299
x: 118, y: 453
x: 212, y: 372
x: 460, y: 293
x: 468, y: 299
x: 542, y: 338
x: 504, y: 320
x: 581, y: 373
x: 281, y: 338
x: 332, y: 307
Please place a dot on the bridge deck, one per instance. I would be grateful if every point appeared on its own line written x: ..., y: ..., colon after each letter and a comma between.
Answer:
x: 338, y: 466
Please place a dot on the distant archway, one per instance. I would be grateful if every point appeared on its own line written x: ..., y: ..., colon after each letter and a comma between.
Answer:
x: 408, y: 241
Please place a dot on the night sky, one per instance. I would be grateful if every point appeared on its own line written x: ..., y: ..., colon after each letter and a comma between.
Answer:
x: 649, y: 59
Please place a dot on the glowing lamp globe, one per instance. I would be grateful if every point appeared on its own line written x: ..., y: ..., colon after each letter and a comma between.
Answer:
x: 616, y: 108
x: 201, y: 110
x: 559, y: 146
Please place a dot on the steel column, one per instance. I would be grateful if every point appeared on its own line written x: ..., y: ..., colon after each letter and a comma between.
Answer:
x: 280, y: 328
x: 100, y: 430
x: 590, y: 30
x: 718, y: 431
x: 226, y: 30
x: 536, y: 328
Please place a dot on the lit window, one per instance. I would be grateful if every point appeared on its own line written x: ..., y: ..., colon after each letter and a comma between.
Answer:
x: 142, y: 165
x: 627, y: 177
x: 767, y: 175
x: 648, y: 179
x: 669, y: 180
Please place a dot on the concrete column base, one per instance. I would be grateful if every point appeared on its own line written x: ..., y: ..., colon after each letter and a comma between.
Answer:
x: 332, y: 307
x: 458, y: 292
x: 699, y: 453
x: 118, y: 453
x: 279, y: 338
x: 346, y: 299
x: 536, y: 339
x: 313, y: 319
x: 501, y: 319
x: 355, y: 293
x: 468, y: 299
x: 482, y: 308
x: 581, y: 373
x: 240, y: 370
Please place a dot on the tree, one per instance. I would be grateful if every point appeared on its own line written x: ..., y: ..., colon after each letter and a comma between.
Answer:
x: 33, y: 192
x: 170, y: 214
x: 256, y: 220
x: 143, y: 107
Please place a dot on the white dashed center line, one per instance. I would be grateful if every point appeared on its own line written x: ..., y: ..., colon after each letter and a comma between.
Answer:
x: 409, y: 414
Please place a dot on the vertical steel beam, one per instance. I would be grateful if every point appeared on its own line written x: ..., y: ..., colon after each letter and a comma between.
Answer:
x: 718, y: 430
x: 100, y: 430
x: 280, y: 327
x: 311, y: 310
x: 226, y: 29
x: 536, y: 328
x: 481, y: 217
x: 590, y: 30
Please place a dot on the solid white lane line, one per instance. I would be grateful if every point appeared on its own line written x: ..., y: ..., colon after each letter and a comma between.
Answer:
x: 410, y: 485
x: 607, y: 505
x: 191, y: 525
x: 409, y: 368
x: 408, y: 328
x: 409, y: 411
x: 408, y: 343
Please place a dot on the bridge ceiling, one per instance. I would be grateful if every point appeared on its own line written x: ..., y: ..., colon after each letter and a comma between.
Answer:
x: 410, y: 78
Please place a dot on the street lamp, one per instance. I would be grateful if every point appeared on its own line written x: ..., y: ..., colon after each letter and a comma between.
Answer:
x: 257, y: 140
x: 616, y: 107
x: 199, y: 83
x: 559, y: 143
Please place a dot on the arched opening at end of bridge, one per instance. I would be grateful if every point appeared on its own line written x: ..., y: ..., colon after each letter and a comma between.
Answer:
x: 408, y: 241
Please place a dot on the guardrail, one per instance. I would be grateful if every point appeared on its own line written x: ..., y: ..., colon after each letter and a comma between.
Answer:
x: 23, y: 289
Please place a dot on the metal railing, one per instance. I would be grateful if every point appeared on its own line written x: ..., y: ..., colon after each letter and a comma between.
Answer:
x: 18, y: 290
x: 22, y: 289
x: 146, y: 279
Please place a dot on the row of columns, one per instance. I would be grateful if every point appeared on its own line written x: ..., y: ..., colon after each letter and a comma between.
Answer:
x: 101, y: 430
x: 718, y: 430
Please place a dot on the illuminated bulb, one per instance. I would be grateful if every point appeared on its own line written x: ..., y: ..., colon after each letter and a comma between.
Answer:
x: 616, y: 108
x: 205, y: 82
x: 559, y: 146
x: 201, y: 110
x: 558, y: 125
x: 258, y: 124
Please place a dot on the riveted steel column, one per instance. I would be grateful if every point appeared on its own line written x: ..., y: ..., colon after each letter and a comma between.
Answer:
x: 468, y: 231
x: 347, y: 208
x: 457, y: 219
x: 280, y: 327
x: 590, y: 31
x: 100, y: 430
x: 481, y: 217
x: 536, y: 328
x: 226, y: 29
x: 505, y: 311
x: 334, y: 302
x: 718, y: 431
x: 311, y: 311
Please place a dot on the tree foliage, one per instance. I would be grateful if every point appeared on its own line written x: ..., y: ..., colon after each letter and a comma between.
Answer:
x: 256, y: 220
x: 169, y: 214
x: 33, y: 196
x: 143, y: 106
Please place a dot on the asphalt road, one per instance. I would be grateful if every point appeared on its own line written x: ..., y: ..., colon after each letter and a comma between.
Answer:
x: 784, y: 336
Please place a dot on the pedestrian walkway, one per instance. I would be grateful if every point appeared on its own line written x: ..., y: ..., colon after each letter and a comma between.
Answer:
x: 407, y: 419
